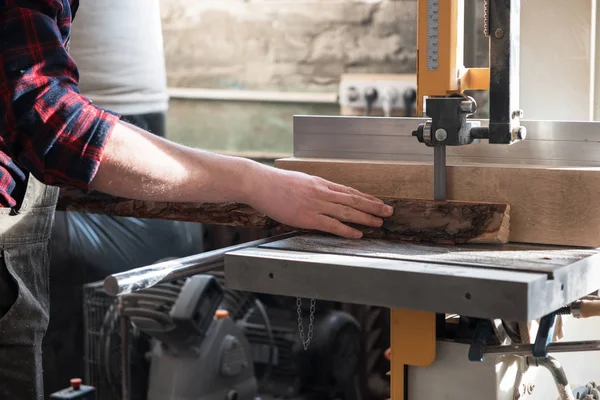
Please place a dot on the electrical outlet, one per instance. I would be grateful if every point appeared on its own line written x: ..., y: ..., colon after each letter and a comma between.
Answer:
x: 382, y: 92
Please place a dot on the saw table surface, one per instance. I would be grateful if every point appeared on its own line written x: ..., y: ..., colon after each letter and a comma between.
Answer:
x: 513, y: 257
x: 512, y: 282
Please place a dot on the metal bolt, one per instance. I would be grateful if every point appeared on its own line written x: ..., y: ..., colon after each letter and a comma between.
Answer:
x: 519, y: 133
x: 353, y: 94
x: 441, y: 135
x: 517, y: 114
x: 467, y: 106
x: 499, y: 33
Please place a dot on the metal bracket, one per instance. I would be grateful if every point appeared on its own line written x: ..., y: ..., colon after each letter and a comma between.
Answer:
x: 544, y: 335
x: 484, y: 332
x: 449, y: 125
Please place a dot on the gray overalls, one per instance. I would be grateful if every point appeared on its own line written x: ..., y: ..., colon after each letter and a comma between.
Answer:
x: 24, y: 290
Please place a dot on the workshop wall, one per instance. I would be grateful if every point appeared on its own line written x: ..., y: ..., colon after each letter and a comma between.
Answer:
x: 281, y: 45
x: 296, y: 45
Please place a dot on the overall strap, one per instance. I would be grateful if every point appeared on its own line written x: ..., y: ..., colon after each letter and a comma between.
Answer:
x: 31, y: 221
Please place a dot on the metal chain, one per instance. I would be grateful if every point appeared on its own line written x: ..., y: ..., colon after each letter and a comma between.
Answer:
x: 486, y: 18
x: 306, y: 342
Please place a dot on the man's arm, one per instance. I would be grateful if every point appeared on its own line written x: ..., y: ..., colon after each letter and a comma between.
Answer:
x: 139, y: 165
x: 61, y: 138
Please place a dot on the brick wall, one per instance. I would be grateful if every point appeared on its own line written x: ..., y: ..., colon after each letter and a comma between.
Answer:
x: 299, y: 45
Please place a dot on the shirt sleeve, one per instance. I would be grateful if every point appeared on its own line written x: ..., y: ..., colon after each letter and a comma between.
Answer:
x: 50, y: 129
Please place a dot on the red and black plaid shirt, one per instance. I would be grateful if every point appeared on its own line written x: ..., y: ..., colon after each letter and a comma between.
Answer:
x: 47, y: 128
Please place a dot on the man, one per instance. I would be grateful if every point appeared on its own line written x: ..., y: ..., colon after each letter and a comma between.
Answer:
x: 51, y: 135
x: 117, y: 46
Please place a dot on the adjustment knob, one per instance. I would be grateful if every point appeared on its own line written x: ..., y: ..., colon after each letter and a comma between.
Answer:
x: 410, y: 96
x: 371, y: 95
x: 418, y: 133
x: 423, y: 134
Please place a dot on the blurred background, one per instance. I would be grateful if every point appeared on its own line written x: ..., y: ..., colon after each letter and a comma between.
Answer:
x: 290, y: 49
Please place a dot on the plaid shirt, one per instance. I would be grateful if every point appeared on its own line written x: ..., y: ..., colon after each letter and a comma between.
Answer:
x: 47, y: 128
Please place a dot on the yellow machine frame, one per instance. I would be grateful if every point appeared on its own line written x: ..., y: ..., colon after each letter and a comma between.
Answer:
x: 451, y: 76
x: 413, y: 333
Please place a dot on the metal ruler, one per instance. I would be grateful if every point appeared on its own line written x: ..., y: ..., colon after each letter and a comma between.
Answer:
x: 433, y: 8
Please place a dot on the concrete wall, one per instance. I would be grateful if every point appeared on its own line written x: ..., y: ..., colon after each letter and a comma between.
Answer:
x: 283, y: 45
x: 297, y: 45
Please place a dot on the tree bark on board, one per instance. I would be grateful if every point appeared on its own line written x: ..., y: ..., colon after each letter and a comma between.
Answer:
x: 413, y: 219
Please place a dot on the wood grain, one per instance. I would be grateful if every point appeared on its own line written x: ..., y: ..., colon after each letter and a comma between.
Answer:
x: 548, y: 205
x: 413, y: 220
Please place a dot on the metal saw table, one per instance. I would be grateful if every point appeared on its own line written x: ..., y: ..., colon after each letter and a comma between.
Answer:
x: 511, y: 282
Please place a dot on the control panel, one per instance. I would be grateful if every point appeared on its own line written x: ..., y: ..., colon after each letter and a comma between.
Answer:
x: 375, y: 94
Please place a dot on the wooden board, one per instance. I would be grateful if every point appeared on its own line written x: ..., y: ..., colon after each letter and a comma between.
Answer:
x: 231, y: 214
x: 413, y: 220
x: 549, y: 205
x: 443, y: 222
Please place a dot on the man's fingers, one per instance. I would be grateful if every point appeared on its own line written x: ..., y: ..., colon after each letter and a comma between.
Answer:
x: 362, y: 204
x: 352, y: 215
x: 331, y: 225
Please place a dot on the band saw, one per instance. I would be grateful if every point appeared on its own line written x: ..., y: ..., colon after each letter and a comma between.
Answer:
x: 467, y: 321
x: 424, y: 284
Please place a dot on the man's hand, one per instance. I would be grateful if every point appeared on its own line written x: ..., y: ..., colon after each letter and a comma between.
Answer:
x: 138, y: 165
x: 309, y: 202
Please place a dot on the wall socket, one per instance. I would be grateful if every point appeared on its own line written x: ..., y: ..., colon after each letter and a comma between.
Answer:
x: 385, y: 91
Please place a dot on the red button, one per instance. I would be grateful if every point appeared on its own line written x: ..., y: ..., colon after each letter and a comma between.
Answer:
x: 76, y: 383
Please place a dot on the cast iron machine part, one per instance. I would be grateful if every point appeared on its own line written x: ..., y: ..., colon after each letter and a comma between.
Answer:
x: 448, y: 127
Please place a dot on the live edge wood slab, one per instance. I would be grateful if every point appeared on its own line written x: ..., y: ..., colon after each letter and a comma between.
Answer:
x: 413, y: 219
x: 548, y: 205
